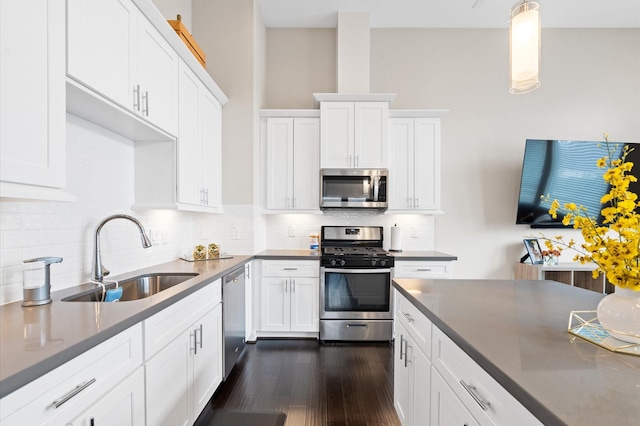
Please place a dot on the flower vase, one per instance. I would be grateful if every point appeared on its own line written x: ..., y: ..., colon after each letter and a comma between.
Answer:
x: 551, y: 260
x: 619, y: 314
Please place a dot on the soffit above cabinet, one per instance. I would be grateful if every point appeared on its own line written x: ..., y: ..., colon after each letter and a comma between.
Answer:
x: 289, y: 113
x: 354, y: 97
x: 417, y: 113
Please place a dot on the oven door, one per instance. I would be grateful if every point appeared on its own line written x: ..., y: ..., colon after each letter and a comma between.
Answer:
x: 355, y: 293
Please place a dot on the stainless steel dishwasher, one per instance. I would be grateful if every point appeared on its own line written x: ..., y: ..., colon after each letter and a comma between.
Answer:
x: 233, y: 318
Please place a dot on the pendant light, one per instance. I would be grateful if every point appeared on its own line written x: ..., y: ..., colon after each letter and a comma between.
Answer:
x: 524, y: 47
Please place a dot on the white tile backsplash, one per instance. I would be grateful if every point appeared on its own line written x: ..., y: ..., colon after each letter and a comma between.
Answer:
x: 304, y: 224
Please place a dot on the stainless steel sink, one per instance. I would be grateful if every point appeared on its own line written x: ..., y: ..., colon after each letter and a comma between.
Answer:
x: 135, y: 288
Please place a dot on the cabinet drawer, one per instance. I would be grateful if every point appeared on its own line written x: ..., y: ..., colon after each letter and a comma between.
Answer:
x: 485, y: 398
x: 415, y: 322
x: 75, y: 385
x: 290, y: 268
x: 421, y: 269
x: 166, y: 325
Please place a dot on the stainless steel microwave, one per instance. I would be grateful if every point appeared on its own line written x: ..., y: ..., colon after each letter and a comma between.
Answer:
x: 354, y: 188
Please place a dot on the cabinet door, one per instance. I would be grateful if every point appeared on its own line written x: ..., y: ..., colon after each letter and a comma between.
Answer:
x: 446, y: 408
x: 371, y: 146
x: 420, y: 385
x: 304, y: 294
x: 401, y: 167
x: 167, y: 383
x: 276, y: 304
x: 306, y: 163
x: 122, y: 406
x: 157, y: 76
x: 401, y: 396
x: 33, y: 91
x: 427, y: 164
x: 280, y: 163
x: 207, y: 360
x: 211, y: 148
x: 101, y: 47
x: 336, y: 135
x: 189, y: 190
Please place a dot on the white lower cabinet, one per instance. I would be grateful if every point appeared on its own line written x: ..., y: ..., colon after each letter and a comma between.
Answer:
x: 412, y: 375
x: 446, y: 408
x: 412, y: 363
x: 442, y: 385
x: 183, y: 375
x: 487, y: 401
x: 84, y: 387
x: 289, y: 293
x: 422, y: 269
x: 122, y: 406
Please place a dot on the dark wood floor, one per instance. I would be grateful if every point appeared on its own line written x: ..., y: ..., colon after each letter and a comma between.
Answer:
x: 314, y: 384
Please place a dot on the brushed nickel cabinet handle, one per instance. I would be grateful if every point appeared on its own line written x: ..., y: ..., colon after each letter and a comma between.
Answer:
x: 73, y: 392
x: 474, y: 394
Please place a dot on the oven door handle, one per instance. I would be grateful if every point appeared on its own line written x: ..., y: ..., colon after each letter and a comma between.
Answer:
x: 358, y: 271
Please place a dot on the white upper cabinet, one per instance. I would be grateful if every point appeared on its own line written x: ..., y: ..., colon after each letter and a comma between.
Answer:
x: 100, y: 47
x: 114, y: 50
x: 32, y: 104
x: 199, y: 144
x: 354, y: 134
x: 157, y: 77
x: 415, y: 164
x: 292, y: 163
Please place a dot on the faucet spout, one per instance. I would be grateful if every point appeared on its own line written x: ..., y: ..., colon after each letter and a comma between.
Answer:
x: 98, y: 271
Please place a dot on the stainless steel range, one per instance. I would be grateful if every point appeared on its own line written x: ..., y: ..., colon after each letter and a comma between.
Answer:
x: 356, y: 301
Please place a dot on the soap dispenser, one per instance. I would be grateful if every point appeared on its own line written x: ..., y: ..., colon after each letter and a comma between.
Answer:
x: 36, y: 283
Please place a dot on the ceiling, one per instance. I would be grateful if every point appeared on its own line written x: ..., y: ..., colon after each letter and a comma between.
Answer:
x: 449, y: 13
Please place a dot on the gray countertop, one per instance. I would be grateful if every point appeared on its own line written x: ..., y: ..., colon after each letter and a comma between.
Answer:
x: 517, y: 332
x: 38, y: 339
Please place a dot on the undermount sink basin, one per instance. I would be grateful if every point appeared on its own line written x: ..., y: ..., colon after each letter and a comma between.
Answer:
x: 134, y: 288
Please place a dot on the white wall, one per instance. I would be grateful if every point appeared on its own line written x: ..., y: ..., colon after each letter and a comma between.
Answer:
x: 172, y: 8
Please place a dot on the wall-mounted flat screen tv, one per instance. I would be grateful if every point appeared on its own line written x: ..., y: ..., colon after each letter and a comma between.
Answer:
x: 567, y: 171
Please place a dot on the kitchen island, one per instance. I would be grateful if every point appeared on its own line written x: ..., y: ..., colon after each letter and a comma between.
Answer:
x: 516, y: 331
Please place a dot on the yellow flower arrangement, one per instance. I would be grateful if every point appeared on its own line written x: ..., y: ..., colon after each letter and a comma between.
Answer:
x: 613, y: 246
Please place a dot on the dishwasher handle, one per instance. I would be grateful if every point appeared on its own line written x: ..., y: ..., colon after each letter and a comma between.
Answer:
x: 233, y: 276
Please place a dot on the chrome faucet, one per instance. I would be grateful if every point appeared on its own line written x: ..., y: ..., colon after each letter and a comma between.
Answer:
x: 98, y: 270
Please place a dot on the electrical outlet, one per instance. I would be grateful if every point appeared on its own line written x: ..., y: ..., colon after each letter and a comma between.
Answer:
x: 292, y: 231
x: 234, y: 233
x: 414, y: 232
x: 154, y: 236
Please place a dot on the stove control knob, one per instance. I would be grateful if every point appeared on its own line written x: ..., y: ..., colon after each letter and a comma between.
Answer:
x: 373, y: 262
x: 342, y: 262
x: 383, y: 262
x: 333, y: 262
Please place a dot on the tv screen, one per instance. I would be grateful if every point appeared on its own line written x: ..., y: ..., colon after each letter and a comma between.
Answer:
x: 567, y: 171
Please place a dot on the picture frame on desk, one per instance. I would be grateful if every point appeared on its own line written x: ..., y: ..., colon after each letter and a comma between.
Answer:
x: 533, y: 250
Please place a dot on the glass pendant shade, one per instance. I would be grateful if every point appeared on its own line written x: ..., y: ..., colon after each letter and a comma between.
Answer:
x: 524, y: 47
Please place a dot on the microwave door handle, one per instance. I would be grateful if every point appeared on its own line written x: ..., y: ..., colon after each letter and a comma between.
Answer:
x: 376, y: 188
